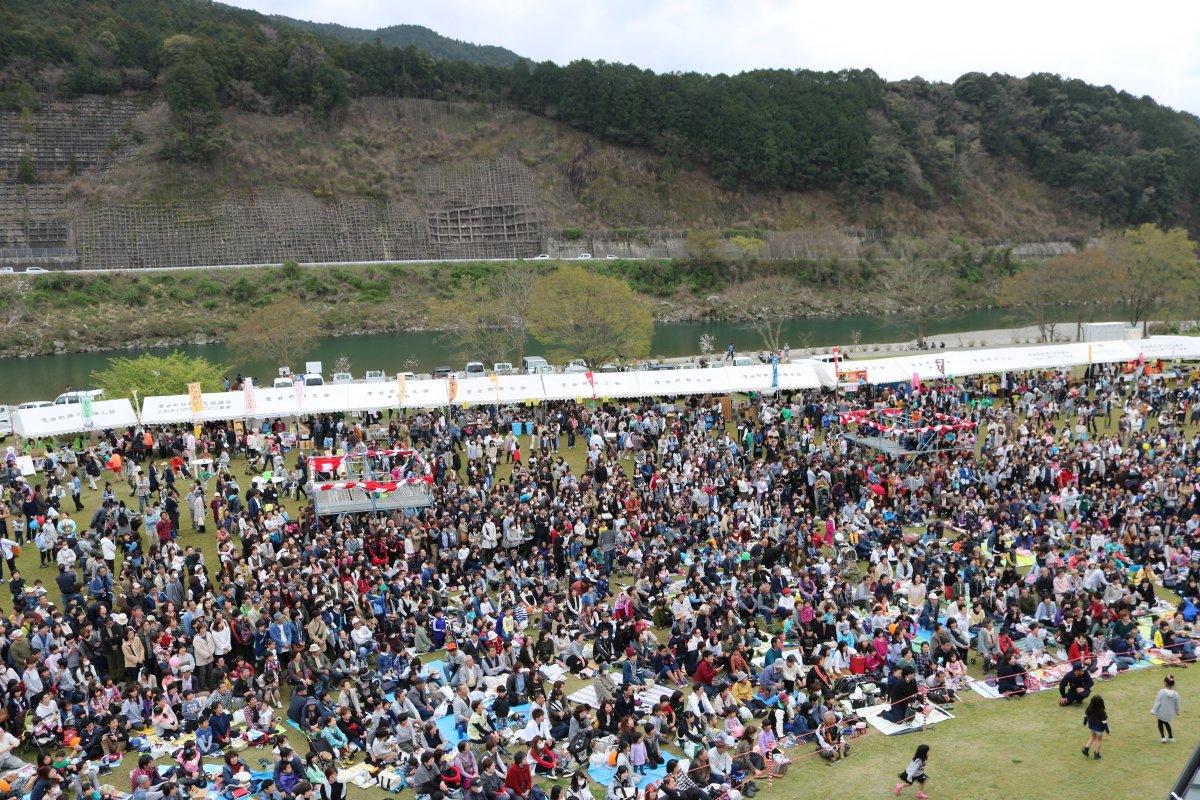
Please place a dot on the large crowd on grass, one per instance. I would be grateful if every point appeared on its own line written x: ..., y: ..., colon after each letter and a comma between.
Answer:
x: 721, y: 595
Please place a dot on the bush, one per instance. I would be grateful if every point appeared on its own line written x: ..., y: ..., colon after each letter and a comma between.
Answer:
x: 243, y: 290
x: 291, y: 270
x: 572, y: 234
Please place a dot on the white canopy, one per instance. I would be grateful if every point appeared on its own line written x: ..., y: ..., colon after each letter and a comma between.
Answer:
x: 575, y: 385
x: 934, y: 364
x: 176, y: 408
x: 499, y: 389
x: 1168, y: 347
x: 800, y: 374
x: 671, y: 382
x: 61, y: 419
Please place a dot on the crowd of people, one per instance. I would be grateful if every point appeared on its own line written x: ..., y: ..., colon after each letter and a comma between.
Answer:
x: 746, y: 558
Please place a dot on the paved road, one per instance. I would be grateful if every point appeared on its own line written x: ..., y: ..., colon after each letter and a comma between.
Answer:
x: 329, y: 264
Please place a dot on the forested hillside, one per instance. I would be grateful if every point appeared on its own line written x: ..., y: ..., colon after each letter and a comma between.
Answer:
x: 418, y: 36
x: 1119, y: 158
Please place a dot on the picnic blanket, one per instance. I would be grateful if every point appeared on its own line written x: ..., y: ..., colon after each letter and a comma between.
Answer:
x: 872, y: 716
x: 604, y: 775
x: 647, y: 695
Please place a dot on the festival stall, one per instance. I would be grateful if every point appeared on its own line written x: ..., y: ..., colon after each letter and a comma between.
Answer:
x: 65, y: 418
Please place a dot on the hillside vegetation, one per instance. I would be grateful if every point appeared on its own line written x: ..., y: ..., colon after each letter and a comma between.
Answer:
x: 770, y: 147
x: 417, y: 36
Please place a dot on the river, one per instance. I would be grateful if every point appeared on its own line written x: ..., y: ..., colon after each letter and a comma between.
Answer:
x: 44, y: 377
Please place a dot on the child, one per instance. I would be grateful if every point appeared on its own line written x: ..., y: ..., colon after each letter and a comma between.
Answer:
x: 1166, y: 708
x: 1096, y: 720
x: 637, y: 754
x: 915, y: 773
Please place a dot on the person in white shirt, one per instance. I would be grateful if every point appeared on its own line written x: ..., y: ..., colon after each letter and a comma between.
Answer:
x: 8, y: 760
x: 536, y: 727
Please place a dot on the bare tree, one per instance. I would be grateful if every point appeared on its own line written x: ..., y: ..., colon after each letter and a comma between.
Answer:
x: 921, y: 290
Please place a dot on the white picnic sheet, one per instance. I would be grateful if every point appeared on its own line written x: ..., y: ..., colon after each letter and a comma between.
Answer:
x: 872, y: 716
x: 646, y: 695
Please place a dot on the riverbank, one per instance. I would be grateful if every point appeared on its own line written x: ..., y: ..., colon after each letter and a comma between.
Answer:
x: 63, y: 312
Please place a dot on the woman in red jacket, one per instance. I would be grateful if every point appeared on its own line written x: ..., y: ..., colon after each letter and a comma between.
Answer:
x: 518, y: 778
x: 545, y: 760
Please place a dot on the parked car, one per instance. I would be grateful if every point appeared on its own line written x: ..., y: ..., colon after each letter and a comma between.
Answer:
x: 409, y: 376
x: 610, y: 367
x: 6, y: 271
x: 542, y: 257
x: 584, y: 256
x: 74, y: 397
x: 475, y: 369
x: 503, y: 368
x: 443, y: 372
x: 342, y: 377
x: 314, y: 380
x: 375, y: 376
x: 687, y: 365
x: 35, y: 270
x: 531, y: 365
x: 281, y: 382
x: 542, y: 369
x: 34, y: 404
x: 6, y: 427
x: 576, y: 365
x: 611, y: 257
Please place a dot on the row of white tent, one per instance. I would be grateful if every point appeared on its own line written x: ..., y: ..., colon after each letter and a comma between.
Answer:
x: 269, y: 403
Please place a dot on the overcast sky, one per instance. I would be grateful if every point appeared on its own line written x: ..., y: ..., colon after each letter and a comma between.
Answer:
x: 1150, y: 47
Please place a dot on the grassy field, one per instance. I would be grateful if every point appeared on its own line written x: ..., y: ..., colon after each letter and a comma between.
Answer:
x: 992, y: 749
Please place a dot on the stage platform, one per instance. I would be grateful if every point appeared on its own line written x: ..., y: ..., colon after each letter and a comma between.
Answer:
x: 332, y: 502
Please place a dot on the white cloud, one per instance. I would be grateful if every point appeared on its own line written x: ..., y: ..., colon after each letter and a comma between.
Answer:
x: 1148, y: 48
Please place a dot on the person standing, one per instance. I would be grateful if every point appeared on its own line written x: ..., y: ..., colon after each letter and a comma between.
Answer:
x: 1166, y: 708
x: 915, y: 773
x: 1096, y: 720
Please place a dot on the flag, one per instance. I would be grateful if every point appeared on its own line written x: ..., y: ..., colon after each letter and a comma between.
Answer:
x: 452, y: 387
x: 495, y: 379
x: 197, y: 402
x: 248, y: 389
x: 941, y: 366
x: 85, y: 410
x: 916, y: 381
x: 298, y: 387
x: 591, y: 379
x: 774, y: 373
x: 401, y: 388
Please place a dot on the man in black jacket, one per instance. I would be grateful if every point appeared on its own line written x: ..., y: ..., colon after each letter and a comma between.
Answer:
x: 1075, y: 686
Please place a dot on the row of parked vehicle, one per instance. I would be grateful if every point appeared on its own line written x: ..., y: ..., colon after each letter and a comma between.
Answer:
x: 28, y: 271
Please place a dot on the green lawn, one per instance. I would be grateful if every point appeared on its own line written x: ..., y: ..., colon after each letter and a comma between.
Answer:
x: 993, y: 748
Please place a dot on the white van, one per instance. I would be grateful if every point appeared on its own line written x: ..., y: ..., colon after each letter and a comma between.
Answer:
x: 375, y: 376
x: 503, y: 368
x: 342, y: 377
x: 74, y: 397
x: 313, y: 380
x: 6, y: 427
x: 743, y: 361
x: 475, y: 369
x: 532, y: 365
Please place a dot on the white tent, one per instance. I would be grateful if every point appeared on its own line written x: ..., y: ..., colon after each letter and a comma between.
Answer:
x: 575, y: 385
x: 432, y: 393
x: 672, y: 382
x: 500, y: 389
x: 804, y: 374
x: 61, y: 419
x: 371, y: 396
x: 1167, y: 347
x: 176, y: 408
